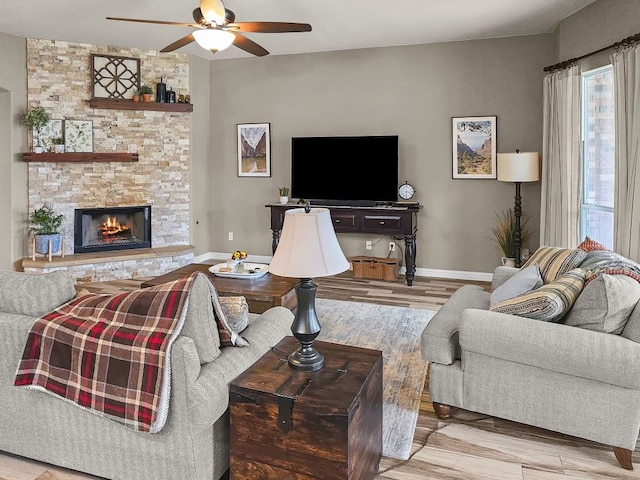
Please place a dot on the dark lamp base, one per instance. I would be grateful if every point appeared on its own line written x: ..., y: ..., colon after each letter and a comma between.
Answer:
x: 306, y: 328
x: 306, y: 358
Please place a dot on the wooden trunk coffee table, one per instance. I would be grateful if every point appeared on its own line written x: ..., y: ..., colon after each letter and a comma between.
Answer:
x: 261, y: 293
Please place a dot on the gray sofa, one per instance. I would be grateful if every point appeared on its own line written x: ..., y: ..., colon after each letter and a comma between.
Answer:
x: 571, y: 380
x: 194, y: 443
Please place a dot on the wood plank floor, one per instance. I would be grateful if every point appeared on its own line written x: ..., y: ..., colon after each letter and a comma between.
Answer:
x: 469, y: 446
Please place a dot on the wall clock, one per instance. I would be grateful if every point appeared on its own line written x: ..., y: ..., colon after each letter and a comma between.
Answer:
x: 406, y: 191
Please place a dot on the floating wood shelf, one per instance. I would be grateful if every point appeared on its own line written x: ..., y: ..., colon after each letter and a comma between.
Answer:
x: 121, y: 104
x: 80, y: 157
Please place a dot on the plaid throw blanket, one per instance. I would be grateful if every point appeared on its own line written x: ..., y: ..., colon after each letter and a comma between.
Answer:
x: 110, y: 354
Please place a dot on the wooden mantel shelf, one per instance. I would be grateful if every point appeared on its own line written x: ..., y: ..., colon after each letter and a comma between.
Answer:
x: 80, y: 157
x: 122, y: 104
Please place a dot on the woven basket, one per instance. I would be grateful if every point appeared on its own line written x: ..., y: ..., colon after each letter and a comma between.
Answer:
x: 375, y: 268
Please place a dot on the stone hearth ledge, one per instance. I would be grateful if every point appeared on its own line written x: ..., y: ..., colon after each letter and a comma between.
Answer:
x: 115, y: 265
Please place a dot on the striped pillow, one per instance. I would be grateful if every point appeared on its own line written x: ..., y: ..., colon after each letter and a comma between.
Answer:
x: 549, y: 302
x: 554, y: 261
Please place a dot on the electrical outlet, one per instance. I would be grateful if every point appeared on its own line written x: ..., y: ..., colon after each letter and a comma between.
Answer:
x: 230, y: 235
x: 392, y: 246
x: 367, y: 245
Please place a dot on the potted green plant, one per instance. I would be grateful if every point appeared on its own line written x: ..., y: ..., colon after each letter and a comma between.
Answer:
x: 58, y: 145
x: 284, y: 195
x: 504, y: 235
x: 145, y: 92
x: 37, y: 118
x: 45, y: 226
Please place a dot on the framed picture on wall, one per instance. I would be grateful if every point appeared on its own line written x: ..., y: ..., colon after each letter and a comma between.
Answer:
x: 474, y: 147
x: 254, y: 150
x: 78, y: 135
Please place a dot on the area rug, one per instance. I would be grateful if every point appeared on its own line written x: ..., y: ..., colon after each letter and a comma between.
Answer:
x: 396, y: 331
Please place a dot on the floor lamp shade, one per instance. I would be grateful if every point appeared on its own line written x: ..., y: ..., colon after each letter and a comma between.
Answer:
x: 519, y: 167
x: 308, y: 248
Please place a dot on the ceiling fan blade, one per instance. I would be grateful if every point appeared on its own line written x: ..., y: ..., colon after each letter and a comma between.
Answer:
x: 178, y: 43
x: 271, y: 27
x: 157, y: 22
x: 250, y: 46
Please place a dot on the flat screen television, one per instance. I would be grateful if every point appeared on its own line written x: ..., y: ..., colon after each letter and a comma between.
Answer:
x: 345, y: 170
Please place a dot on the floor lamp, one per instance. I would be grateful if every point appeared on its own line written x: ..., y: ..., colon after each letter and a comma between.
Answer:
x: 308, y: 248
x: 517, y: 168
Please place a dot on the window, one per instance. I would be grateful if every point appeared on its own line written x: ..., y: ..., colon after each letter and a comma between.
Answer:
x: 598, y: 154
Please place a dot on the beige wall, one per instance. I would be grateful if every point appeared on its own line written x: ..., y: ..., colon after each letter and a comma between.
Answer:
x: 13, y: 186
x: 200, y: 170
x: 600, y: 24
x: 411, y: 91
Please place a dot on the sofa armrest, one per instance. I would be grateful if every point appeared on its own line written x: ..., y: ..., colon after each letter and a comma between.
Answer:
x: 208, y: 393
x: 556, y: 347
x: 502, y: 274
x: 440, y: 336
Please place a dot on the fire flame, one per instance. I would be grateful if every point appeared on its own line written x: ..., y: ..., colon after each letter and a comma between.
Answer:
x: 113, y: 227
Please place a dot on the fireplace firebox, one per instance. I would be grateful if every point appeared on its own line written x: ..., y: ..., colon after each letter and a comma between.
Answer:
x: 115, y: 228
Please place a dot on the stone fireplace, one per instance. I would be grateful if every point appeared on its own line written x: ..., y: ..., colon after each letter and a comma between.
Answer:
x: 115, y: 228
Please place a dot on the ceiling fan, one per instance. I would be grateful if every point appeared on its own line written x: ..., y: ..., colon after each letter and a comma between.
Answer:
x: 217, y: 29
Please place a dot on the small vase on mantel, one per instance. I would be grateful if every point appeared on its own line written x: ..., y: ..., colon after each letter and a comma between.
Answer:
x: 284, y: 200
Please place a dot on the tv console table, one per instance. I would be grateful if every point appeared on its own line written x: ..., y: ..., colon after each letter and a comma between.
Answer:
x: 401, y: 220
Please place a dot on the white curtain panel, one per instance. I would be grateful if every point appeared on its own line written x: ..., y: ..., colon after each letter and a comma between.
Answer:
x: 561, y: 160
x: 626, y: 72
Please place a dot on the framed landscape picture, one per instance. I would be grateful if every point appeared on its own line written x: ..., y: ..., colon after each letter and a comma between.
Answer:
x: 474, y: 147
x: 254, y: 150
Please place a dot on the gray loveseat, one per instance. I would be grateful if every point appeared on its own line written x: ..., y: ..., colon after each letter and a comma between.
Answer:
x: 550, y: 375
x: 194, y: 443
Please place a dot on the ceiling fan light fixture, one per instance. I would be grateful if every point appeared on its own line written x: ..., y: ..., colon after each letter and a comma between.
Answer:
x: 213, y: 39
x: 213, y: 11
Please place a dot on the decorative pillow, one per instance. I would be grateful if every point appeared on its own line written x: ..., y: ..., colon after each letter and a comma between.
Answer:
x: 524, y: 281
x: 228, y: 336
x: 549, y: 302
x: 599, y: 262
x: 605, y: 304
x: 554, y: 262
x: 237, y: 312
x: 589, y: 245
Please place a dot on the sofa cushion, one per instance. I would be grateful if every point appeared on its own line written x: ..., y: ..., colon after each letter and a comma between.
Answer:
x: 549, y: 302
x: 605, y: 304
x: 524, y: 281
x: 589, y: 245
x: 34, y: 294
x: 554, y: 262
x: 632, y: 328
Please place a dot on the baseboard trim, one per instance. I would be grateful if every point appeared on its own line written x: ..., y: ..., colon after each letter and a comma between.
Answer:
x: 420, y: 272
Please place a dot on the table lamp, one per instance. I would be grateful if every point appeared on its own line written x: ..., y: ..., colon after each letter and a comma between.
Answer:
x: 308, y: 248
x: 518, y: 167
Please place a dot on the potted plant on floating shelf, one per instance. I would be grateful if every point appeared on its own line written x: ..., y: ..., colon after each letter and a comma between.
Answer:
x: 37, y: 118
x: 58, y: 145
x: 45, y: 226
x: 284, y: 195
x: 504, y: 235
x: 145, y: 92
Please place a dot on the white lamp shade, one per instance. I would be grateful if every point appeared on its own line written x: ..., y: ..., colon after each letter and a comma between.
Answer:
x: 213, y: 39
x: 213, y: 11
x: 519, y: 167
x: 308, y: 246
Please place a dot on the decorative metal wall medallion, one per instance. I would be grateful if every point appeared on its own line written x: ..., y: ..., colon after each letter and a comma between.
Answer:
x: 115, y: 77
